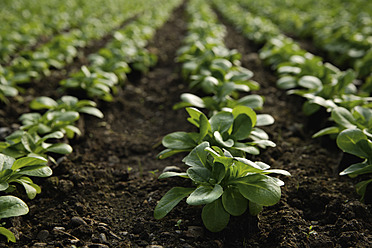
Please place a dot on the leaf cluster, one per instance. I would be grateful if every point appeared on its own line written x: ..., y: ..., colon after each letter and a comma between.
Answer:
x: 225, y: 184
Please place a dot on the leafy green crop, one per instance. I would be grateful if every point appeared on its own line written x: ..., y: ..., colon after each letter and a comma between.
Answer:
x: 22, y: 143
x: 96, y: 83
x: 11, y: 206
x: 66, y: 103
x: 356, y: 142
x: 226, y: 185
x: 358, y: 117
x: 18, y: 171
x: 228, y: 130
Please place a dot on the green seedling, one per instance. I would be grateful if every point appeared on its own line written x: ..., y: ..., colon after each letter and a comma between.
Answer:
x: 358, y: 117
x: 95, y: 82
x: 21, y: 143
x: 65, y: 104
x: 51, y: 121
x: 358, y: 143
x: 225, y: 185
x: 18, y: 171
x: 11, y: 206
x: 228, y: 130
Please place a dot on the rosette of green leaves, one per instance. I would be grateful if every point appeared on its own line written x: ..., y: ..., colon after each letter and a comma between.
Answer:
x: 11, y: 206
x: 95, y: 83
x: 18, y: 171
x: 358, y: 143
x: 7, y: 88
x: 51, y: 121
x: 66, y: 103
x: 226, y: 185
x: 21, y: 143
x: 234, y: 131
x: 339, y: 92
x: 359, y: 117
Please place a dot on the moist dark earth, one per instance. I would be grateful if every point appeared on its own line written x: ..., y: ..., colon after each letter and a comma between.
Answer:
x: 104, y: 193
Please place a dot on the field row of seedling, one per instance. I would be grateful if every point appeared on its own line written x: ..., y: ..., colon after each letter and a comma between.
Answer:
x: 38, y: 38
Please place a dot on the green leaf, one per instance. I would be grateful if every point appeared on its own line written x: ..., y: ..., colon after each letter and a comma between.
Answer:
x: 31, y: 189
x: 60, y: 148
x: 193, y: 99
x: 28, y: 161
x: 343, y: 117
x: 254, y: 208
x: 355, y: 142
x: 6, y: 162
x: 259, y: 189
x: 310, y: 82
x: 8, y: 234
x: 43, y: 102
x: 242, y: 127
x: 169, y: 152
x: 218, y: 137
x: 361, y: 188
x: 204, y: 195
x: 219, y: 171
x: 168, y: 174
x: 11, y: 206
x: 238, y: 110
x: 264, y: 120
x: 199, y: 174
x: 170, y: 200
x: 326, y: 131
x: 91, y: 111
x: 178, y: 141
x: 204, y: 128
x: 286, y: 82
x: 36, y: 171
x: 252, y: 101
x: 233, y: 202
x: 198, y: 156
x: 221, y: 121
x: 214, y: 216
x: 357, y: 169
x: 194, y: 116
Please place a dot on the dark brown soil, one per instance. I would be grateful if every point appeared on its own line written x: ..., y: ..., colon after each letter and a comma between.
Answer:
x: 104, y: 193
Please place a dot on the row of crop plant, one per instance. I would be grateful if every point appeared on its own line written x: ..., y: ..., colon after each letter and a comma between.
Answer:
x: 31, y: 65
x: 225, y: 181
x: 25, y: 24
x: 342, y: 29
x: 321, y: 84
x: 42, y: 137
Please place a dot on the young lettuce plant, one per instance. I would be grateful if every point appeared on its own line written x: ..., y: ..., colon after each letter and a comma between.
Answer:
x: 21, y: 143
x: 66, y: 103
x: 19, y: 171
x: 95, y: 83
x: 228, y: 130
x: 226, y: 185
x: 11, y: 206
x: 358, y: 143
x: 358, y: 117
x: 51, y: 121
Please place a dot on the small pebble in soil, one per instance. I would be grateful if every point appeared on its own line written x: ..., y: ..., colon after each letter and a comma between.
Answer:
x: 58, y: 228
x: 77, y: 221
x: 194, y: 232
x: 43, y: 235
x: 103, y: 238
x: 39, y: 245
